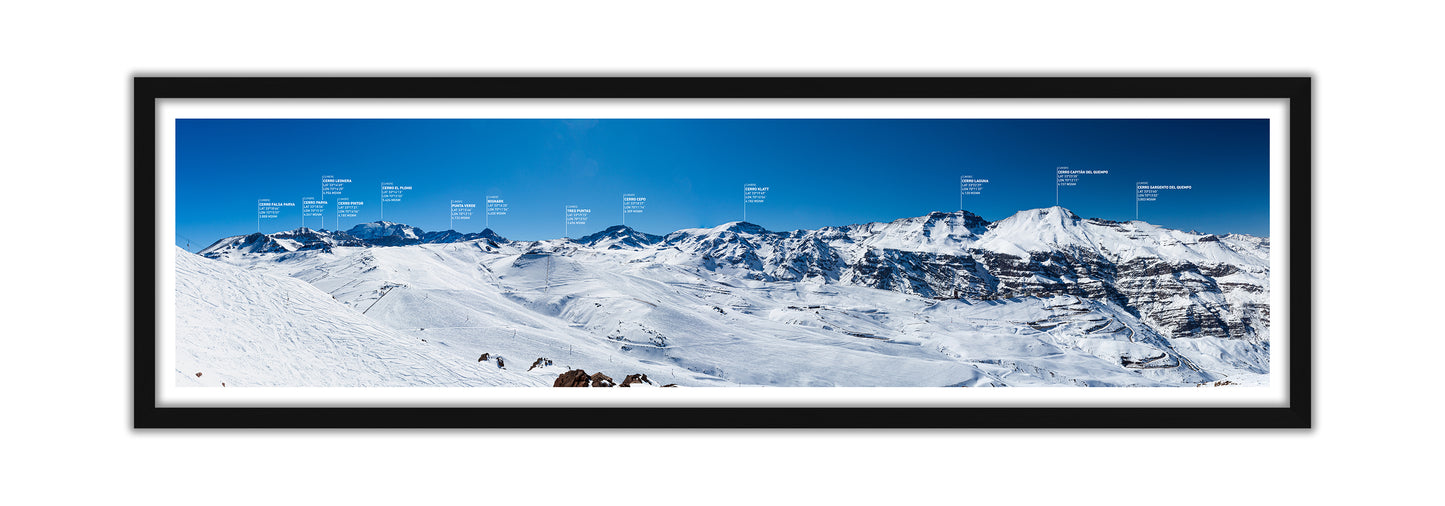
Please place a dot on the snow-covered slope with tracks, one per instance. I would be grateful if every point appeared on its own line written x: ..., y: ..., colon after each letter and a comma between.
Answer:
x: 948, y: 299
x: 245, y: 328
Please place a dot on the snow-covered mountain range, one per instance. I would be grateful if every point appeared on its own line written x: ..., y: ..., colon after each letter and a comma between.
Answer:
x: 381, y: 233
x: 1042, y: 297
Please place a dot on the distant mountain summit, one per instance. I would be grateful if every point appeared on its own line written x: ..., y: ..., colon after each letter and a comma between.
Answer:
x: 385, y: 233
x: 619, y: 237
x: 301, y: 239
x: 935, y: 231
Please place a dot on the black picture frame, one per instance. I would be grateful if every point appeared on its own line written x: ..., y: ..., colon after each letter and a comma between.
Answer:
x: 1296, y: 90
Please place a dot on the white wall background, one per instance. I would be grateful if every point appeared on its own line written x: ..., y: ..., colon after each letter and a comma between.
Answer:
x: 66, y: 154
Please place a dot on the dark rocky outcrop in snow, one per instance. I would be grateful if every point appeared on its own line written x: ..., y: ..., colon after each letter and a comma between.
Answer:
x: 573, y: 378
x: 579, y: 378
x: 635, y: 378
x: 602, y: 380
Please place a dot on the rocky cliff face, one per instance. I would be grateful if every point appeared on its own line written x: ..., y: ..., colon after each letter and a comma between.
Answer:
x: 1183, y: 284
x: 1179, y: 299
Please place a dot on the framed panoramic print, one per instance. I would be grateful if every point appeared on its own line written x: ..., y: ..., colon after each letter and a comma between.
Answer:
x: 723, y: 252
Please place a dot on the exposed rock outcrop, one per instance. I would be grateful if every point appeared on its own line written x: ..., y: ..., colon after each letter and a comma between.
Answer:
x: 580, y: 378
x: 635, y: 378
x: 573, y: 378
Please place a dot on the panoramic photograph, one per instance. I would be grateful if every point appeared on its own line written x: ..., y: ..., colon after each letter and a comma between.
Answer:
x: 685, y: 253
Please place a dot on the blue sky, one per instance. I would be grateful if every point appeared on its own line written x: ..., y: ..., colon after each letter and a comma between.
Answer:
x: 692, y: 171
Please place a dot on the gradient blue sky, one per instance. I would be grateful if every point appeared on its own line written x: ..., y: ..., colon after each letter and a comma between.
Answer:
x: 692, y: 171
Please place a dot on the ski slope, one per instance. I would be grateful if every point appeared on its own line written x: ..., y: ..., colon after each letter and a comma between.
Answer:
x: 693, y: 327
x: 243, y: 328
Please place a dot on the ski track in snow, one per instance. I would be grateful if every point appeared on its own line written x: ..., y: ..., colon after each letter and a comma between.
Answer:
x: 245, y: 328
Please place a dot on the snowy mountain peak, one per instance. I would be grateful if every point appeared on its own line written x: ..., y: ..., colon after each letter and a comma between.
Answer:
x: 243, y: 244
x: 619, y: 236
x: 614, y: 231
x: 1043, y: 229
x: 960, y: 223
x: 937, y: 232
x: 741, y: 227
x: 380, y: 229
x: 968, y: 220
x: 488, y: 233
x: 450, y: 236
x: 964, y: 214
x: 1045, y: 217
x: 1055, y: 212
x: 300, y: 239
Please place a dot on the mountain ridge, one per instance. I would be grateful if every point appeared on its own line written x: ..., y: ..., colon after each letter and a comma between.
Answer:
x: 387, y: 233
x: 1182, y: 283
x: 372, y: 234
